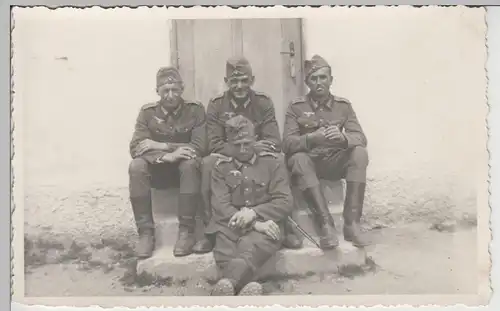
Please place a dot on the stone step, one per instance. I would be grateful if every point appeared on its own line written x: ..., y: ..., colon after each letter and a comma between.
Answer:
x: 167, y: 228
x: 286, y: 263
x: 165, y: 206
x: 304, y: 261
x: 165, y: 200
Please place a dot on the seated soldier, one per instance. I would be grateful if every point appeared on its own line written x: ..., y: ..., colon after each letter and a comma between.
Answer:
x: 323, y: 139
x: 241, y: 99
x: 251, y: 200
x: 167, y: 147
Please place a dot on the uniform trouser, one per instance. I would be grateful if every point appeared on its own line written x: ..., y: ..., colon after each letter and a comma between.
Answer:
x: 349, y: 163
x: 239, y: 260
x: 206, y: 177
x: 143, y: 176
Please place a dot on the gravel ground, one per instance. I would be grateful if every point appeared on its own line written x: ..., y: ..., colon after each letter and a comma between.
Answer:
x: 413, y: 259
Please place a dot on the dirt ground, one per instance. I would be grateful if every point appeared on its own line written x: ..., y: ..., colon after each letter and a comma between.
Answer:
x: 411, y: 259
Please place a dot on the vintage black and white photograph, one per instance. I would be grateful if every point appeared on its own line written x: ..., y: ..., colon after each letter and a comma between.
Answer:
x: 335, y: 155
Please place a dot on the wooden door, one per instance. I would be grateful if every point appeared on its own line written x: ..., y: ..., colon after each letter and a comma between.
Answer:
x: 200, y: 49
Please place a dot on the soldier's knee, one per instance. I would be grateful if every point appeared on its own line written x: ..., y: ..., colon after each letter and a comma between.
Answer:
x: 138, y: 166
x: 208, y: 162
x: 359, y: 156
x: 299, y: 159
x: 189, y: 165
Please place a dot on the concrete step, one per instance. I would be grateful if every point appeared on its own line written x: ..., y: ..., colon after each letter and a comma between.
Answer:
x: 165, y: 201
x: 303, y: 262
x: 165, y: 207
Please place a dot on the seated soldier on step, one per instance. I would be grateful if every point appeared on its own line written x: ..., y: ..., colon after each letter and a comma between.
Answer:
x: 241, y: 99
x: 323, y: 139
x: 251, y: 199
x: 167, y: 147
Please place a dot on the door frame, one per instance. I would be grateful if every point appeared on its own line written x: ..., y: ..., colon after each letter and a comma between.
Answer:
x: 237, y: 46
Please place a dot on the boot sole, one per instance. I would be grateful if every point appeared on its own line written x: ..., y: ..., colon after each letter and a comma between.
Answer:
x: 182, y: 254
x: 200, y: 252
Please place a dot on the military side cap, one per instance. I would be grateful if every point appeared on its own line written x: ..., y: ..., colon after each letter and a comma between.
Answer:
x: 167, y: 75
x: 239, y: 128
x: 238, y: 66
x: 315, y: 63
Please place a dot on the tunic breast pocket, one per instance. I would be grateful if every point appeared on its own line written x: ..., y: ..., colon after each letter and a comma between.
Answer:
x: 183, y: 132
x: 307, y: 125
x: 260, y: 187
x: 160, y: 132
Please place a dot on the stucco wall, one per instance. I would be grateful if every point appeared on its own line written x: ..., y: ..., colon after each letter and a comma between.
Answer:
x: 418, y: 87
x: 80, y: 80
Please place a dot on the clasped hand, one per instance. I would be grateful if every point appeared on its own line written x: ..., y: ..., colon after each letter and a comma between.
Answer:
x: 330, y: 134
x: 269, y: 228
x: 242, y: 218
x: 265, y: 146
x: 147, y: 145
x: 181, y: 153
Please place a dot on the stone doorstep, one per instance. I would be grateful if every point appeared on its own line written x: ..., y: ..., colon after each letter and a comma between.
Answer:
x: 286, y: 262
x: 165, y: 200
x: 167, y: 228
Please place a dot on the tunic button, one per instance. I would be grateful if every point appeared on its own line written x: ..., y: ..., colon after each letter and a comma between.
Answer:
x: 247, y: 202
x: 246, y: 189
x: 246, y: 177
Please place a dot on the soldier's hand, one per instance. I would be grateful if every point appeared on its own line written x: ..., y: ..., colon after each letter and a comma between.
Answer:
x: 265, y: 146
x: 334, y: 134
x: 147, y: 145
x: 269, y: 228
x: 181, y: 153
x: 242, y: 218
x: 317, y: 137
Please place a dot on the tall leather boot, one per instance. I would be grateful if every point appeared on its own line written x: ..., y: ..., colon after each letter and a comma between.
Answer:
x: 316, y: 201
x: 143, y: 214
x: 188, y: 204
x: 205, y: 245
x: 353, y: 210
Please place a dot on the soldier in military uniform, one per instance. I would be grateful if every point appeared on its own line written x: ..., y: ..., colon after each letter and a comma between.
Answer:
x: 167, y: 147
x: 324, y: 140
x: 251, y: 199
x: 241, y: 99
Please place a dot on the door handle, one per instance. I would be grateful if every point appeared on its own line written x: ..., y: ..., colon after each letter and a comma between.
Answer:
x: 291, y: 49
x: 291, y: 60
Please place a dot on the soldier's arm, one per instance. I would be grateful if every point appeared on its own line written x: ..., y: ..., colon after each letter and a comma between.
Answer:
x: 141, y: 132
x: 270, y: 129
x: 293, y: 142
x: 215, y: 132
x: 353, y: 131
x: 281, y: 203
x: 222, y: 207
x: 199, y: 133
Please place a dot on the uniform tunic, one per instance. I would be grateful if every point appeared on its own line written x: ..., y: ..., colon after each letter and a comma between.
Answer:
x: 184, y: 126
x: 261, y: 185
x: 329, y: 161
x: 259, y: 109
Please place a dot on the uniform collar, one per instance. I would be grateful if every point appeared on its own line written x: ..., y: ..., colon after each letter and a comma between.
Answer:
x: 236, y: 106
x: 245, y: 104
x: 240, y: 164
x: 174, y: 113
x: 327, y: 103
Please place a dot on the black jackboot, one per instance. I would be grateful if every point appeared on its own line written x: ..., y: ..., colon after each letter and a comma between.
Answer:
x: 316, y: 202
x: 186, y: 214
x: 353, y: 210
x: 143, y: 214
x: 205, y: 245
